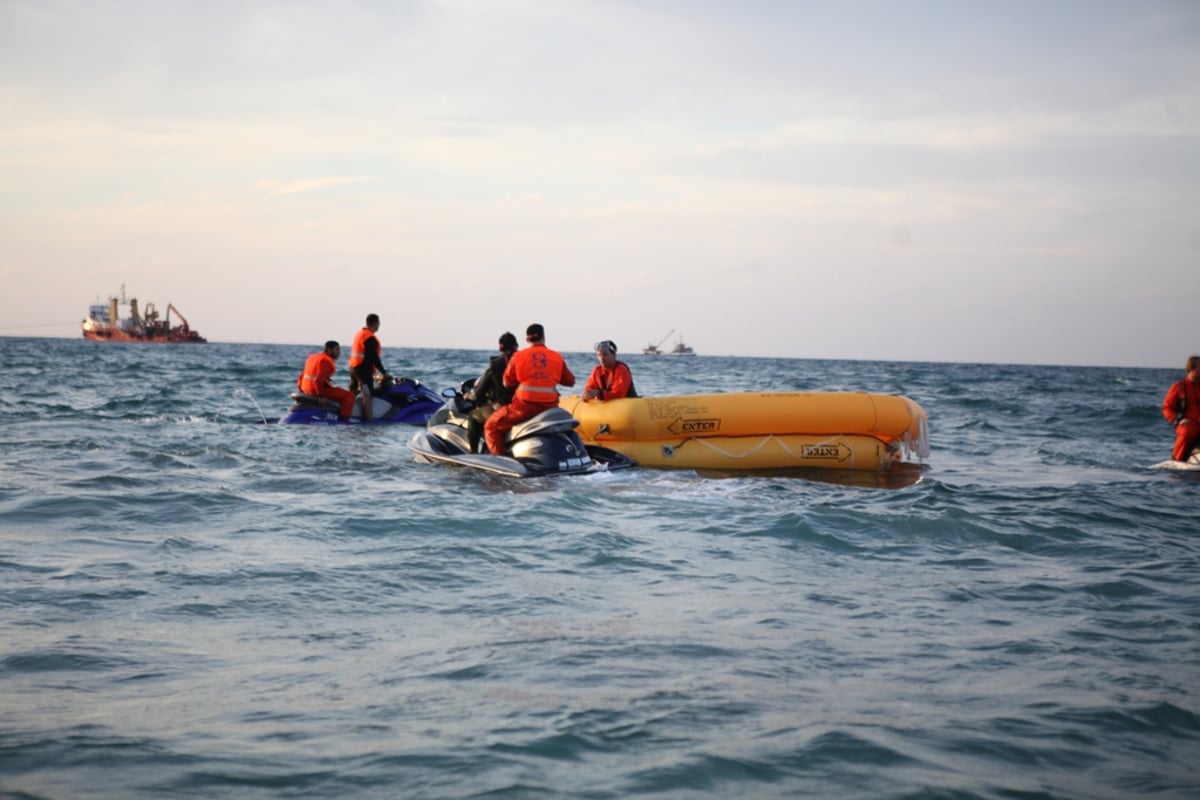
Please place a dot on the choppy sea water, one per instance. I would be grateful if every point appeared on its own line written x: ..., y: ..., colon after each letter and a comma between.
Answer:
x: 196, y: 604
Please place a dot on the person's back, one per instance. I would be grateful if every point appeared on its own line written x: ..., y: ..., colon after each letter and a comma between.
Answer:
x: 533, y: 373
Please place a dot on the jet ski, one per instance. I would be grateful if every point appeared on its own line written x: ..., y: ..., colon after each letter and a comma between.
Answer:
x: 1191, y: 465
x: 398, y: 400
x: 544, y: 445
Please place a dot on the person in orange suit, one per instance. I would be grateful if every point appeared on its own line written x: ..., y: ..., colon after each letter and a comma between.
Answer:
x: 1181, y: 407
x: 610, y: 379
x: 535, y: 371
x: 317, y: 379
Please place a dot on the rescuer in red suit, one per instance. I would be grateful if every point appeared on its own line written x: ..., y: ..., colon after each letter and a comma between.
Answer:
x: 1181, y: 407
x: 317, y: 379
x: 535, y: 372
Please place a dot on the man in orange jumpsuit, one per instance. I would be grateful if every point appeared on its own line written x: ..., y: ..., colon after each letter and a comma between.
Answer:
x: 535, y: 372
x: 1181, y: 407
x: 610, y: 379
x: 316, y: 379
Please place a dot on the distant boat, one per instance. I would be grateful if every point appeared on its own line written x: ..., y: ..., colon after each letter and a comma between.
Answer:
x: 104, y: 323
x: 681, y: 349
x: 654, y: 349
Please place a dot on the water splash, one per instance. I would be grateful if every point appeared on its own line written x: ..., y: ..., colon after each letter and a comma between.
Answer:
x: 239, y: 392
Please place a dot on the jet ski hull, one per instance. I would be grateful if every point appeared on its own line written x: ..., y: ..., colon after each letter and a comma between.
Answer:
x: 545, y: 445
x: 404, y: 401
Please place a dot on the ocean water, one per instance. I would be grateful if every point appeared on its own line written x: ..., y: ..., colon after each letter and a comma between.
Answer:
x: 195, y: 604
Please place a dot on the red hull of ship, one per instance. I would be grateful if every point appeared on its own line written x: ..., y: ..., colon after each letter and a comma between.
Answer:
x: 121, y: 336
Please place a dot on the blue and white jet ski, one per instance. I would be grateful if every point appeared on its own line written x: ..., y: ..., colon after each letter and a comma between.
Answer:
x: 544, y: 445
x: 400, y: 400
x: 1191, y: 465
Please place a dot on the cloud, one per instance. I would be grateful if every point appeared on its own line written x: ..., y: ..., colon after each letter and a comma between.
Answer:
x: 279, y: 188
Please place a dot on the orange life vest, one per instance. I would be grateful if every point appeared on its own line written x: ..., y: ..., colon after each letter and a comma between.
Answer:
x: 358, y: 350
x: 318, y: 369
x: 537, y: 370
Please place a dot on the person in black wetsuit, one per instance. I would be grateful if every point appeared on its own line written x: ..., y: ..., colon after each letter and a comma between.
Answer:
x: 365, y: 356
x: 365, y: 362
x: 489, y: 391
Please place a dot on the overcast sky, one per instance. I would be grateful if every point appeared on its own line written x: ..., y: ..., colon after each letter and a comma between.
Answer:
x: 1014, y: 182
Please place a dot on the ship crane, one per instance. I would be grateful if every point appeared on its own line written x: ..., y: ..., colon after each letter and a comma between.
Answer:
x: 653, y: 349
x: 170, y: 308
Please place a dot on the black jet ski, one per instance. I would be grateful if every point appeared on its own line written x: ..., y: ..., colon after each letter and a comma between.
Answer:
x: 545, y: 445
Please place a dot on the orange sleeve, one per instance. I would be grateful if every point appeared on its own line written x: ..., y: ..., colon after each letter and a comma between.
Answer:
x: 594, y: 380
x: 325, y: 373
x: 1170, y: 406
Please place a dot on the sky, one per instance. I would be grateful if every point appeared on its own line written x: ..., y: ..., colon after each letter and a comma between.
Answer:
x: 984, y: 182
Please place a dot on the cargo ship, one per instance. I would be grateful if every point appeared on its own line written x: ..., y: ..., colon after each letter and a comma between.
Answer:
x: 105, y: 323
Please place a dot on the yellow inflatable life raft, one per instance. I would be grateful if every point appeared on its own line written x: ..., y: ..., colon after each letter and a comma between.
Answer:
x: 758, y: 431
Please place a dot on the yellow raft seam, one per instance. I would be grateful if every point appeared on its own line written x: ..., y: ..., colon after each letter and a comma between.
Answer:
x: 763, y: 444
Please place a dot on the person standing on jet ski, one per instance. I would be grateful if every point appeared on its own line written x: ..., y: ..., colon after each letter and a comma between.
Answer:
x: 535, y: 371
x: 489, y: 391
x: 316, y: 378
x: 1181, y: 407
x: 365, y: 362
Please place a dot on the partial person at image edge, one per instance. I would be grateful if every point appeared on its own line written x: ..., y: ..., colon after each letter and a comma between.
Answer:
x: 1181, y: 407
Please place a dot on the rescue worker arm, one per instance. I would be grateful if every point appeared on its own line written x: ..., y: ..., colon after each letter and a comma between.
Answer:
x: 325, y: 375
x: 593, y: 387
x: 1170, y: 406
x: 476, y: 388
x: 567, y: 378
x: 481, y: 390
x: 371, y: 346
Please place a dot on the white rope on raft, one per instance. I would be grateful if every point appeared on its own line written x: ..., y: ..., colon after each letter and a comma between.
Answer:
x: 768, y: 438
